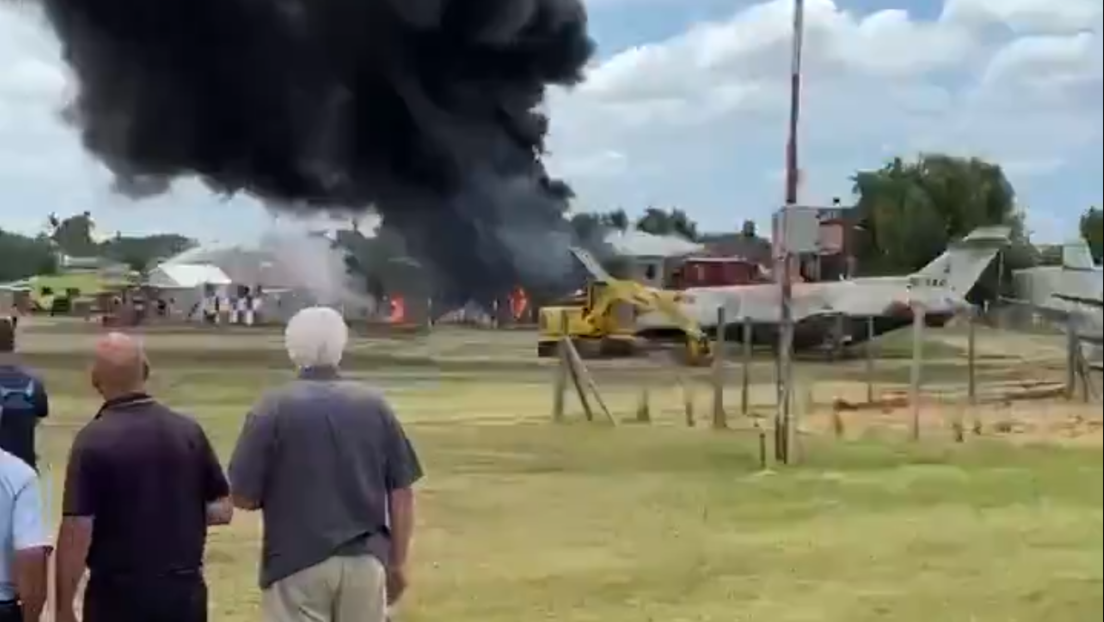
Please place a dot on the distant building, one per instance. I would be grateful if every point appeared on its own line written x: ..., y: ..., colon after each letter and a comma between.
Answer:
x: 650, y: 256
x: 754, y: 249
x: 99, y: 265
x: 835, y: 238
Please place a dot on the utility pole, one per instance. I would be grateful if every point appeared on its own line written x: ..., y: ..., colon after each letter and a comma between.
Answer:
x: 784, y: 418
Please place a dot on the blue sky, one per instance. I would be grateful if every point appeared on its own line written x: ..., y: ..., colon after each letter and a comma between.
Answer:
x: 686, y: 106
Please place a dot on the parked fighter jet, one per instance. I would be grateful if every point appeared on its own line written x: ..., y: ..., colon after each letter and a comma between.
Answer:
x: 826, y: 311
x: 1072, y: 292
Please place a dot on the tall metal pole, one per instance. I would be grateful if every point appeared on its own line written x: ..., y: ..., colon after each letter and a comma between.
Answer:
x: 785, y: 347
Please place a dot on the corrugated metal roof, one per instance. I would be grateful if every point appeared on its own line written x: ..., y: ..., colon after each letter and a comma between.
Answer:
x: 23, y: 285
x: 641, y: 244
x: 186, y: 275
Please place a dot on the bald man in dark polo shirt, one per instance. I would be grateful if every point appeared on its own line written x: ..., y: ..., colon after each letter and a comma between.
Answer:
x: 326, y: 461
x: 141, y: 488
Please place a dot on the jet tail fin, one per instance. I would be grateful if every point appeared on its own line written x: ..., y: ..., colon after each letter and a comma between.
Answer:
x: 597, y: 272
x: 1077, y: 256
x: 963, y: 263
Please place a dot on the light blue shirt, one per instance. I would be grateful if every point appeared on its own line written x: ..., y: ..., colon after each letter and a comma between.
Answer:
x: 22, y: 517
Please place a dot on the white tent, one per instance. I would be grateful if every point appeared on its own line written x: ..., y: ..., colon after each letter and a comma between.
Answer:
x: 275, y: 262
x: 187, y: 276
x: 184, y: 285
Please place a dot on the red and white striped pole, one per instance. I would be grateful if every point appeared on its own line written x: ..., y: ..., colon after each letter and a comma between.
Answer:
x: 784, y: 433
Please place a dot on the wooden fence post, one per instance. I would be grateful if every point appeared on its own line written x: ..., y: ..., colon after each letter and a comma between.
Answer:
x: 559, y: 383
x: 917, y: 365
x: 868, y: 350
x: 971, y: 357
x: 1072, y: 346
x: 745, y: 370
x: 720, y: 419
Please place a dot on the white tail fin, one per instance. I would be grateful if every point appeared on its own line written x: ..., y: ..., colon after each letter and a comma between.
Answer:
x: 1077, y: 256
x: 597, y: 272
x: 960, y: 267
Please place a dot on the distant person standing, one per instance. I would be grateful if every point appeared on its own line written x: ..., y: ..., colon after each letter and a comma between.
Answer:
x: 141, y: 488
x: 23, y: 400
x: 24, y: 545
x: 326, y: 461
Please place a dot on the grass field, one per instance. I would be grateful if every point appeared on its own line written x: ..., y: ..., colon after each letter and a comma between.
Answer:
x: 522, y: 520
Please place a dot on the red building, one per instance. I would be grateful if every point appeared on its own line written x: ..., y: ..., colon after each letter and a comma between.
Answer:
x: 716, y: 272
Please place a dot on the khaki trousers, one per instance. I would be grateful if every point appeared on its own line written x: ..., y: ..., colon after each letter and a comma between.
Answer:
x: 340, y: 589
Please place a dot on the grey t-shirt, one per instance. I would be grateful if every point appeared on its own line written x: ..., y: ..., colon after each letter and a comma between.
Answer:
x: 321, y: 456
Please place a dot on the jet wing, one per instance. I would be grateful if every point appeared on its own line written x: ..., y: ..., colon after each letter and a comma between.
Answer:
x: 1050, y: 314
x: 1062, y: 317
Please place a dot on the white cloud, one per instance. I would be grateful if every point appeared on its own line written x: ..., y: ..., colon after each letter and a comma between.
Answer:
x: 698, y: 119
x: 1018, y: 81
x: 1026, y: 16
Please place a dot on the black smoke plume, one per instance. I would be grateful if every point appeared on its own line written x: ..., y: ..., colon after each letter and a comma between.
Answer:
x: 427, y: 111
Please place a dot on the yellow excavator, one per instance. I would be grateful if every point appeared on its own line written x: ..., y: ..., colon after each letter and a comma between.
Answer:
x: 603, y: 321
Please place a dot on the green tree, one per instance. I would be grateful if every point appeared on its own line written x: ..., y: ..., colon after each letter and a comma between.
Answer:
x: 675, y: 221
x: 143, y: 252
x: 1092, y: 229
x: 909, y: 211
x: 684, y: 226
x: 655, y: 221
x: 73, y: 235
x: 22, y: 256
x: 616, y: 219
x: 591, y: 226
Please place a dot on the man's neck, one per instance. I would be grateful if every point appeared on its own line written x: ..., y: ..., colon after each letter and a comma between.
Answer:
x: 319, y: 372
x: 7, y: 357
x: 116, y: 395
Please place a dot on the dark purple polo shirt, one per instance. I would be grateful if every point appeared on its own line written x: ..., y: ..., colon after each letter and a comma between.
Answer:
x: 145, y: 474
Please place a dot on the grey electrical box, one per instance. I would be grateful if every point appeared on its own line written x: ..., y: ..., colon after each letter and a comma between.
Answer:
x: 802, y: 232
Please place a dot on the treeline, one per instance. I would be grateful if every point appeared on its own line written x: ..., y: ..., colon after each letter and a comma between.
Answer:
x: 908, y: 211
x: 23, y: 256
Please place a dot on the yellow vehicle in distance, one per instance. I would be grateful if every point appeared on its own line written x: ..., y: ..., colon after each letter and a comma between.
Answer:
x: 602, y: 321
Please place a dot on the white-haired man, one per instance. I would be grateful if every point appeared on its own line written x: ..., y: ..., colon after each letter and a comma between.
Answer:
x: 327, y: 463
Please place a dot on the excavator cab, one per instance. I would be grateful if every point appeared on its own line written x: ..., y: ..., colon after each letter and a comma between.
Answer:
x: 602, y: 325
